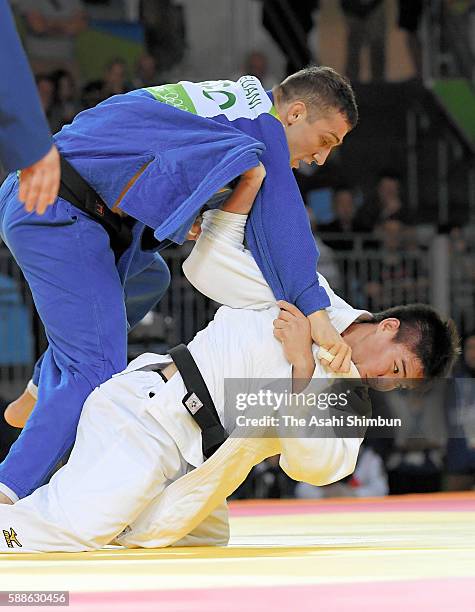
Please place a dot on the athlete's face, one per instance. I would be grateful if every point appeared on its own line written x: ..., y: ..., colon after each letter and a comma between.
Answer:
x: 312, y: 141
x: 384, y: 363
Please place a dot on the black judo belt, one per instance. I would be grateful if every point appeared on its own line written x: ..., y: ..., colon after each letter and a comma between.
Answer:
x: 80, y: 194
x: 198, y: 401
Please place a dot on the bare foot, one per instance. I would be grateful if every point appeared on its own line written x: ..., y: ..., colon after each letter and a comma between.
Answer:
x: 17, y: 413
x: 4, y: 499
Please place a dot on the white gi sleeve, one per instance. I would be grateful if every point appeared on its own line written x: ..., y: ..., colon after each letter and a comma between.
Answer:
x: 213, y: 531
x: 319, y: 461
x: 222, y: 269
x: 322, y: 460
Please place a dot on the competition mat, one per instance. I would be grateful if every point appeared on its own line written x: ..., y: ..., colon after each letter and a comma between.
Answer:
x: 414, y: 552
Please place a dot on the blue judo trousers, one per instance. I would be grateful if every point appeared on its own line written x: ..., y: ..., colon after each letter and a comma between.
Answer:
x: 80, y: 292
x: 81, y: 299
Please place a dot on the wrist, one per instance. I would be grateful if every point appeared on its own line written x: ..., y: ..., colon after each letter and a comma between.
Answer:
x: 319, y: 315
x: 302, y: 372
x: 304, y: 364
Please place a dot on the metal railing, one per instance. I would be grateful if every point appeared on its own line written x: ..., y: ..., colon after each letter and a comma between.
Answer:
x: 440, y: 272
x: 462, y: 279
x: 16, y: 328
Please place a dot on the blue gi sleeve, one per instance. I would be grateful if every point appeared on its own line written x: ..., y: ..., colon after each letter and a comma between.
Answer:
x: 279, y: 236
x: 24, y: 134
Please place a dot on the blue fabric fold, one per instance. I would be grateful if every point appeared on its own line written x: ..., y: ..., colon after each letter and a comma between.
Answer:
x: 188, y: 158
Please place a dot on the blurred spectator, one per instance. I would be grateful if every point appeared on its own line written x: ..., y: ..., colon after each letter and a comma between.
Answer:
x: 463, y: 257
x: 410, y: 13
x: 289, y: 23
x: 462, y: 272
x: 395, y: 276
x: 132, y: 10
x: 67, y: 100
x: 471, y: 27
x: 458, y: 41
x: 91, y: 94
x: 366, y: 21
x: 51, y: 30
x: 386, y: 272
x: 415, y: 462
x: 257, y: 64
x: 46, y: 90
x: 114, y: 82
x: 368, y: 480
x: 165, y: 37
x: 115, y: 78
x: 385, y: 203
x: 345, y: 221
x: 146, y: 74
x: 327, y: 265
x: 411, y: 239
x: 460, y: 460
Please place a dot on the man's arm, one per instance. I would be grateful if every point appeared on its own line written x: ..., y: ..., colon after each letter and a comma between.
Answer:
x: 24, y: 133
x: 222, y: 269
x: 319, y: 461
x: 292, y: 329
x: 25, y: 139
x: 281, y: 241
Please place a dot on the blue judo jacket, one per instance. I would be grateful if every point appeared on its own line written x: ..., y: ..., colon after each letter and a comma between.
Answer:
x: 158, y: 154
x: 24, y: 134
x: 184, y: 159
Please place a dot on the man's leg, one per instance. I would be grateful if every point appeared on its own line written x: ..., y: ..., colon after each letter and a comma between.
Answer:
x: 143, y: 290
x: 146, y: 284
x: 121, y: 460
x: 212, y: 531
x: 17, y: 412
x: 66, y: 259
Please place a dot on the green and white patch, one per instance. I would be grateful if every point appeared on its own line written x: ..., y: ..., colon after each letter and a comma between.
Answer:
x: 245, y: 98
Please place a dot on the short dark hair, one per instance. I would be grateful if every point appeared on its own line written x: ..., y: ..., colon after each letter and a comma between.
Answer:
x: 322, y: 89
x: 342, y: 187
x: 389, y: 173
x: 114, y: 61
x: 434, y: 342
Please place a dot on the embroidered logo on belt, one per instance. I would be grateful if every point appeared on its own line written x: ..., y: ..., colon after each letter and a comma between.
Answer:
x: 193, y: 403
x: 11, y: 538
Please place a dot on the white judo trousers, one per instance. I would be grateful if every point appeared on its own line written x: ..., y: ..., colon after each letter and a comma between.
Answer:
x: 130, y: 477
x: 121, y: 460
x: 121, y: 463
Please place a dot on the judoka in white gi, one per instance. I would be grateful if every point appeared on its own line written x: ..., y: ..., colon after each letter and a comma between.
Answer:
x: 136, y: 475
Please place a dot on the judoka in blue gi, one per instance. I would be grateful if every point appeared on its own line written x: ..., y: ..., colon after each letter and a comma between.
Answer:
x: 25, y: 139
x: 159, y: 155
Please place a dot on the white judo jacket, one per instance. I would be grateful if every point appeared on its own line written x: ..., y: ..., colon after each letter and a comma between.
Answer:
x: 192, y: 510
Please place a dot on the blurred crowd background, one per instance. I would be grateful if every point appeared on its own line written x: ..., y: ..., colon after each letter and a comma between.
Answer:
x: 393, y: 209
